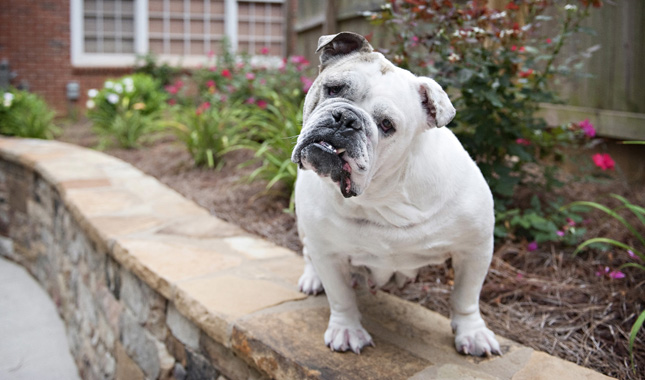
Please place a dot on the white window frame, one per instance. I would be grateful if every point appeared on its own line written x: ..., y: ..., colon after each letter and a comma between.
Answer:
x: 80, y: 58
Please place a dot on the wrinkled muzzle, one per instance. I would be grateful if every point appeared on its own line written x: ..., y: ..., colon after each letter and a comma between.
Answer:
x: 332, y: 140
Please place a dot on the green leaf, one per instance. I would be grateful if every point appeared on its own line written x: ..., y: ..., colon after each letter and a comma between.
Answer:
x: 632, y: 336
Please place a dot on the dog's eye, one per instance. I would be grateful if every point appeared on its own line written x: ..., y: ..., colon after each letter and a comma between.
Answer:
x: 386, y: 126
x: 334, y: 90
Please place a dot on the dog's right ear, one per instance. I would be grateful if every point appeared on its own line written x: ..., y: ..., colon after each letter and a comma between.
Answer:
x: 341, y: 44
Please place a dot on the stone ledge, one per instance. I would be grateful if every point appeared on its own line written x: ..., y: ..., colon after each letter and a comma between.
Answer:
x: 150, y: 285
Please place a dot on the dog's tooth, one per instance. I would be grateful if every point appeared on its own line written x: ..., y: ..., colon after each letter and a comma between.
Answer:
x: 341, y: 150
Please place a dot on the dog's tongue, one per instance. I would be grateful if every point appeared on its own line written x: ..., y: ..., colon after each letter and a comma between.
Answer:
x: 326, y: 162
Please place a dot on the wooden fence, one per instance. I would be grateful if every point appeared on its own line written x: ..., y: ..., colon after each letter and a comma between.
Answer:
x: 613, y: 98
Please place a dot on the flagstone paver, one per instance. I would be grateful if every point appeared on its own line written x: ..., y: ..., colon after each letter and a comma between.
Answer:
x: 232, y: 291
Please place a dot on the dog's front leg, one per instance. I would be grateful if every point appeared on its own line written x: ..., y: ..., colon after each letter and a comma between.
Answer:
x: 344, y: 331
x: 471, y: 334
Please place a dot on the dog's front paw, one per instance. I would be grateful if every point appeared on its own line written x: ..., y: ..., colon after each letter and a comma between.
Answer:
x: 309, y: 283
x: 343, y: 338
x: 478, y: 342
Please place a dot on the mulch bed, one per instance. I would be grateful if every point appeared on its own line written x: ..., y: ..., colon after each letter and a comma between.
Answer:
x: 546, y: 299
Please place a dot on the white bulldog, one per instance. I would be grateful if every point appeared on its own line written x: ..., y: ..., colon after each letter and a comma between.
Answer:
x: 383, y: 188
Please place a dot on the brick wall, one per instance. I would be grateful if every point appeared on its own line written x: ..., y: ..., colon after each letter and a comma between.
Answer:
x: 35, y: 39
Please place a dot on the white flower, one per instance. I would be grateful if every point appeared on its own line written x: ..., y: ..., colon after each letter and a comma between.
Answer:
x: 118, y: 88
x: 90, y: 104
x: 571, y: 7
x: 8, y: 99
x: 129, y: 84
x: 109, y: 84
x: 92, y: 93
x: 453, y: 57
x: 112, y: 98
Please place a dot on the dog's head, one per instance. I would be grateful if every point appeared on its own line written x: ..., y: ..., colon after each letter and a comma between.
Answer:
x: 362, y: 114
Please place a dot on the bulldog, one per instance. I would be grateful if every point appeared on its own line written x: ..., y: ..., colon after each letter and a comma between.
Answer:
x: 383, y: 188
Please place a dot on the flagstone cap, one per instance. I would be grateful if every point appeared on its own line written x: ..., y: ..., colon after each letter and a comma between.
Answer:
x: 242, y: 290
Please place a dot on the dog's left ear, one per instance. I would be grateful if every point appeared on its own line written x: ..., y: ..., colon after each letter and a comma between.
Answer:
x: 435, y: 103
x: 341, y: 44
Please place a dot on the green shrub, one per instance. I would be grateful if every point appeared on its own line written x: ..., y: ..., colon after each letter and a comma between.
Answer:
x: 272, y: 136
x: 149, y: 64
x: 209, y: 129
x: 230, y: 79
x: 496, y: 67
x: 24, y: 114
x: 126, y: 110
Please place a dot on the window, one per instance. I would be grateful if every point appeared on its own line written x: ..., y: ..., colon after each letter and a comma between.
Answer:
x: 113, y: 32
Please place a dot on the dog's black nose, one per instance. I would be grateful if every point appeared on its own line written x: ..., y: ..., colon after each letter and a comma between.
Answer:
x: 345, y: 119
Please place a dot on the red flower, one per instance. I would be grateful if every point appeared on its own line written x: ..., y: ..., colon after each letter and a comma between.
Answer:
x: 526, y: 73
x: 524, y: 142
x: 513, y: 48
x: 262, y: 104
x: 226, y: 73
x: 512, y: 6
x: 548, y: 40
x: 603, y: 161
x: 264, y: 51
x: 202, y: 107
x: 210, y: 83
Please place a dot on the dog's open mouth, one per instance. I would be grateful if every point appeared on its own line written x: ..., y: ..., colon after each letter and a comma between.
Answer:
x: 327, y: 160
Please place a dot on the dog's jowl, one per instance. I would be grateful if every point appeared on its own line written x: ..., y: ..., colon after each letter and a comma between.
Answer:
x: 384, y: 189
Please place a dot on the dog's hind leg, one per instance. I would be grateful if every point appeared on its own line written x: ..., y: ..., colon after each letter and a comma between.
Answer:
x: 471, y: 334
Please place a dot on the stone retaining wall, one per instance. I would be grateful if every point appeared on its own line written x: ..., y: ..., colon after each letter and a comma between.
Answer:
x: 152, y: 286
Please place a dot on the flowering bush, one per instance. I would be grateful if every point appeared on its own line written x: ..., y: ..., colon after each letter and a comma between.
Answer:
x: 126, y: 109
x: 229, y: 79
x: 24, y: 114
x: 496, y: 66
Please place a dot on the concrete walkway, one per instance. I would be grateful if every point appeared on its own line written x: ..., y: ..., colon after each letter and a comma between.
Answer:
x: 33, y: 344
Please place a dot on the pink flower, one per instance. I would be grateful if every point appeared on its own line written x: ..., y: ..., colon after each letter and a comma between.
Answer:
x: 226, y: 73
x: 616, y: 274
x: 250, y: 100
x: 306, y: 83
x: 262, y: 104
x: 212, y: 68
x: 250, y: 76
x: 524, y: 142
x: 571, y: 222
x: 179, y: 84
x: 548, y: 40
x: 522, y: 49
x: 172, y: 90
x: 210, y: 83
x: 513, y: 48
x: 560, y: 233
x: 264, y: 51
x: 202, y: 107
x: 526, y: 73
x: 587, y: 127
x: 211, y: 54
x: 602, y: 271
x: 532, y: 246
x: 603, y: 161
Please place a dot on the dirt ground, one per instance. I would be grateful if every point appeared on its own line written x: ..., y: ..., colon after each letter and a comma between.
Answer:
x: 546, y: 299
